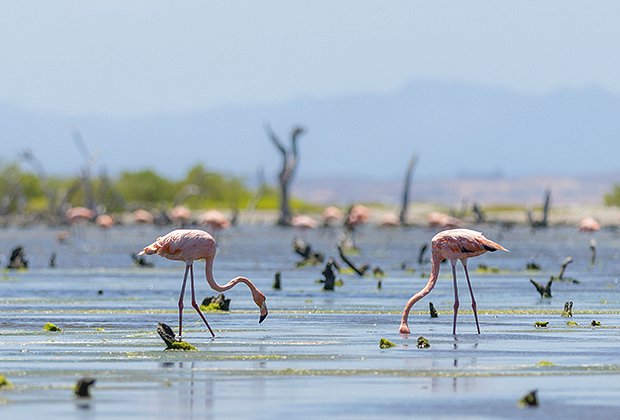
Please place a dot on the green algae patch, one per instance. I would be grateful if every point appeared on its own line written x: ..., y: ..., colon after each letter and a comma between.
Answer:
x: 212, y: 307
x: 529, y: 400
x: 545, y: 363
x: 595, y: 323
x: 215, y: 304
x: 51, y: 327
x: 384, y: 343
x: 5, y: 383
x: 250, y: 357
x: 181, y: 345
x: 485, y: 269
x: 423, y: 343
x: 572, y: 323
x: 541, y: 324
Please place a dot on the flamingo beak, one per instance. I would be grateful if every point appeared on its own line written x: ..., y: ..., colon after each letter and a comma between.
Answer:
x: 263, y: 313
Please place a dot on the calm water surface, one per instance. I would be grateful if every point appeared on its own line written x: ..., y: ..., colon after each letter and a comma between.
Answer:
x: 317, y: 354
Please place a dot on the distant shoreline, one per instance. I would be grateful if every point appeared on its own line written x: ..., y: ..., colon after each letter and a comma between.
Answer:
x: 417, y: 216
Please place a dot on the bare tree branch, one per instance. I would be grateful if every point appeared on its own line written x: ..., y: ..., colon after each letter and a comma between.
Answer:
x: 402, y: 217
x: 274, y: 139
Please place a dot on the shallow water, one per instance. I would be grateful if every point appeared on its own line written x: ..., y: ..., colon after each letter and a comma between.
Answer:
x: 317, y: 354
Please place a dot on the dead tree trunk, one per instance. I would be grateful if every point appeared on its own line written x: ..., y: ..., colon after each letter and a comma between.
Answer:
x: 544, y: 222
x: 289, y: 165
x: 546, y: 206
x: 85, y: 175
x: 402, y: 217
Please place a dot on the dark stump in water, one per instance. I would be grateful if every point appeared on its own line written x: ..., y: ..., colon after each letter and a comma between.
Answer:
x: 568, y: 309
x: 82, y: 387
x: 216, y: 303
x: 530, y: 399
x: 277, y: 285
x: 18, y: 259
x: 140, y: 261
x: 310, y: 257
x: 432, y: 310
x: 172, y: 341
x: 330, y: 276
x: 166, y: 333
x: 545, y: 291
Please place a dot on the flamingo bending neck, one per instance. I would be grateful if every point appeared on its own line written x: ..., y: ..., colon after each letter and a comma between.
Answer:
x: 432, y: 280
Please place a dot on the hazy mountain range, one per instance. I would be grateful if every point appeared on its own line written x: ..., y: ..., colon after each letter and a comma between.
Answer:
x: 461, y: 133
x: 454, y: 192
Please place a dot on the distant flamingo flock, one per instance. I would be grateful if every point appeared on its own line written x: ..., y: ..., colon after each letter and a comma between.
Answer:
x: 452, y: 243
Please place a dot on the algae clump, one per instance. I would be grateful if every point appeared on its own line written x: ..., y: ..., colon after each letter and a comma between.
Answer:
x: 572, y: 323
x: 545, y: 363
x: 483, y: 268
x: 541, y: 324
x: 215, y: 304
x: 181, y: 345
x: 211, y: 307
x: 51, y: 327
x: 423, y: 343
x: 595, y: 323
x: 384, y: 343
x: 5, y: 383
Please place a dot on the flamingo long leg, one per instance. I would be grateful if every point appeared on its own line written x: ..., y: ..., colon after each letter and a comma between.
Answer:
x: 195, y: 305
x: 471, y: 292
x: 456, y: 296
x: 181, y: 302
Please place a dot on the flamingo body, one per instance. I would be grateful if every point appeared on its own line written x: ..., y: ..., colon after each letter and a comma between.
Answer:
x: 215, y: 220
x: 589, y: 224
x: 143, y: 216
x: 186, y: 245
x: 189, y: 245
x: 452, y: 245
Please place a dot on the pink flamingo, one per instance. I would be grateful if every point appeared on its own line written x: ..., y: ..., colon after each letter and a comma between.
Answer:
x: 180, y: 215
x: 143, y: 216
x: 589, y: 224
x: 452, y: 245
x: 104, y: 221
x: 193, y: 244
x: 302, y: 221
x: 79, y: 214
x: 442, y: 220
x: 389, y: 220
x: 215, y: 220
x: 358, y: 215
x: 331, y: 214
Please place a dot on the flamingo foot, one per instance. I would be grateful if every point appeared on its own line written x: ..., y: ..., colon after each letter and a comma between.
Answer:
x: 404, y: 329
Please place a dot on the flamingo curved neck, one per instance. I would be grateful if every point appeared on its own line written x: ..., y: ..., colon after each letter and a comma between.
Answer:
x: 222, y: 288
x: 432, y: 280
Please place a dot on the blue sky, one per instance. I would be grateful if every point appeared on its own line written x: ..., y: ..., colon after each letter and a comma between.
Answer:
x: 128, y: 58
x: 125, y: 59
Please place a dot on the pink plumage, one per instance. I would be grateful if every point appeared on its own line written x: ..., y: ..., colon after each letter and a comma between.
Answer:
x: 452, y: 245
x: 189, y: 245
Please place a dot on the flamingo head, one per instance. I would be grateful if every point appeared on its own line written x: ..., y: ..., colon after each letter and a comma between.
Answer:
x: 260, y: 300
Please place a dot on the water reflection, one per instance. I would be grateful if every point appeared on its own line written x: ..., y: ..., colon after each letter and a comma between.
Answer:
x: 195, y: 390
